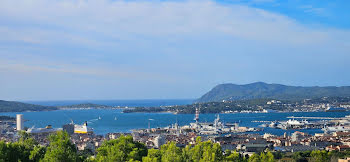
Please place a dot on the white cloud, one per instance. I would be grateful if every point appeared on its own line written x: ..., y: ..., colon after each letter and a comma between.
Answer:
x: 92, y: 70
x: 193, y: 44
x: 80, y: 21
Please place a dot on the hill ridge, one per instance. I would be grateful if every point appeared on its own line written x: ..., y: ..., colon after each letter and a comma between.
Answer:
x: 230, y: 91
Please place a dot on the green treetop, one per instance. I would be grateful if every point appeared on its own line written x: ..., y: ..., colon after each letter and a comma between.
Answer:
x: 121, y: 149
x: 60, y: 148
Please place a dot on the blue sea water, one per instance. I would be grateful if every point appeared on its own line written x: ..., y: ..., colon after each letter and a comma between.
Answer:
x: 113, y: 120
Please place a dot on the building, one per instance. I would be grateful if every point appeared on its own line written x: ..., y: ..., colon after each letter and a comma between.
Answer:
x: 159, y: 141
x: 19, y: 122
x: 69, y: 128
x: 297, y: 136
x: 344, y: 160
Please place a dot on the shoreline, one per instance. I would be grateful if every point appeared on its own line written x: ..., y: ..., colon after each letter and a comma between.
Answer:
x: 170, y: 112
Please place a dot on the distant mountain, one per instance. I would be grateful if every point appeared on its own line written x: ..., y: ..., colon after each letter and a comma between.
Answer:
x: 274, y: 91
x: 13, y: 106
x: 86, y: 105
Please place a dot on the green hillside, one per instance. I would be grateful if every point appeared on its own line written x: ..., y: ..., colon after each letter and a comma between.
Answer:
x: 13, y: 106
x: 86, y: 105
x: 275, y: 91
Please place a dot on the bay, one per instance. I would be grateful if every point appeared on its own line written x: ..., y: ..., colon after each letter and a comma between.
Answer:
x: 113, y: 120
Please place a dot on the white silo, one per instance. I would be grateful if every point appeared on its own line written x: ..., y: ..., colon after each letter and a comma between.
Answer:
x: 19, y: 123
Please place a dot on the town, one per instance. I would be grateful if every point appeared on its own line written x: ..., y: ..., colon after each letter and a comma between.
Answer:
x: 255, y: 106
x: 230, y: 136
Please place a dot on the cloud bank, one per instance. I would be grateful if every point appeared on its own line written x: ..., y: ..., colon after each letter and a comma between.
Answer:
x: 195, y: 43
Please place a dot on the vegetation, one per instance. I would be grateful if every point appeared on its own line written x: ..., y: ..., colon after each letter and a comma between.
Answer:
x: 60, y: 148
x: 145, y: 109
x: 121, y: 149
x: 85, y: 105
x: 240, y: 105
x: 124, y: 148
x: 12, y: 106
x: 276, y: 91
x: 209, y: 107
x: 26, y: 149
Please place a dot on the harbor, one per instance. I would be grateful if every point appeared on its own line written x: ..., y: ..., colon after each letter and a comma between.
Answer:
x: 115, y: 121
x: 244, y: 133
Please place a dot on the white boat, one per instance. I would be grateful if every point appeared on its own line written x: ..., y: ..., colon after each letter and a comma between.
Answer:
x: 273, y: 125
x: 82, y: 129
x: 47, y: 129
x: 294, y: 122
x: 263, y: 125
x: 336, y: 129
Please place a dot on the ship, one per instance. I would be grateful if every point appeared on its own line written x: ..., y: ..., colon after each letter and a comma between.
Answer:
x: 47, y: 129
x: 335, y: 129
x: 335, y: 109
x: 82, y: 129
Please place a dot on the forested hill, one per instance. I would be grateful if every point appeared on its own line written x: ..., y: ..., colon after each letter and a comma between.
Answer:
x: 275, y: 91
x: 86, y: 105
x: 13, y: 106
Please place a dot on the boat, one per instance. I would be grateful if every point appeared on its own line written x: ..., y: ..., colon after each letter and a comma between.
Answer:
x: 335, y: 109
x: 82, y: 129
x: 273, y: 125
x: 335, y: 129
x: 115, y: 118
x: 263, y: 125
x: 99, y: 117
x: 294, y: 122
x: 47, y: 129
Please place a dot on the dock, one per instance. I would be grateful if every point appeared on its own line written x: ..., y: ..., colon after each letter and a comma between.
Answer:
x: 320, y: 118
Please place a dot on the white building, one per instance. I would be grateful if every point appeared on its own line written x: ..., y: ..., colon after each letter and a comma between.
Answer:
x: 19, y: 122
x: 159, y: 141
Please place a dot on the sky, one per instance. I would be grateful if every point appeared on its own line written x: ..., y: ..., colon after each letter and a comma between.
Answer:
x: 168, y: 49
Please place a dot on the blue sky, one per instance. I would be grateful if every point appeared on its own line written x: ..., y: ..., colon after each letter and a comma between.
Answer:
x: 102, y: 49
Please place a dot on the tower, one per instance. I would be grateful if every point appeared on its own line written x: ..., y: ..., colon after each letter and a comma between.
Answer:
x: 196, y: 118
x: 19, y: 122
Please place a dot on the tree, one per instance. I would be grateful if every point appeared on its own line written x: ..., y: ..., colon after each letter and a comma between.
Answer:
x: 37, y: 153
x: 186, y: 154
x: 319, y: 156
x: 60, y: 148
x: 152, y: 156
x: 197, y: 151
x: 212, y: 152
x: 3, y: 151
x: 26, y: 144
x: 18, y: 151
x: 234, y: 156
x: 171, y: 153
x: 121, y: 149
x: 267, y: 157
x: 254, y: 158
x: 301, y: 156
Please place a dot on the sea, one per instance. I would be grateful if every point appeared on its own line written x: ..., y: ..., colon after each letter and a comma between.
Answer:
x: 105, y: 121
